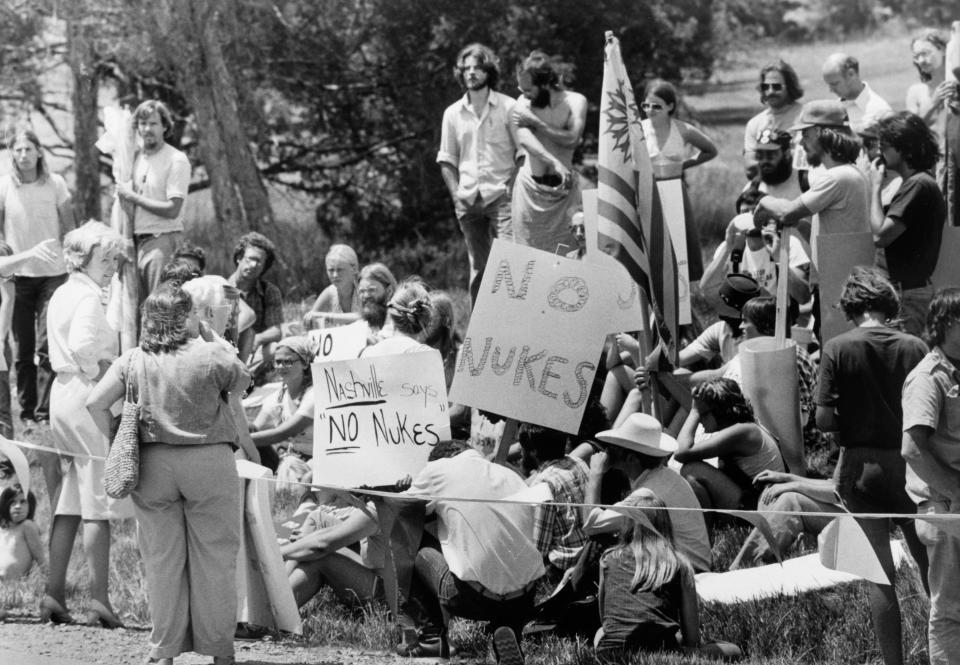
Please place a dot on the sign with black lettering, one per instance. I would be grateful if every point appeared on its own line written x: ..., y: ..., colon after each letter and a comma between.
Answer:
x: 378, y: 418
x: 343, y: 343
x: 535, y: 337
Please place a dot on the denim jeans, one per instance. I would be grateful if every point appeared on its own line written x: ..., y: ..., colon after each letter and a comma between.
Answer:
x: 30, y: 334
x: 481, y: 222
x: 442, y: 595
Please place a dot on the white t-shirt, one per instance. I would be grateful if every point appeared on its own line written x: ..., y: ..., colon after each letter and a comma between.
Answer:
x: 30, y: 216
x: 763, y: 267
x: 162, y: 176
x: 840, y: 199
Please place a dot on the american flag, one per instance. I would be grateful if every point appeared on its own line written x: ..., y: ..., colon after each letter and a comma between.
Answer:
x: 631, y: 225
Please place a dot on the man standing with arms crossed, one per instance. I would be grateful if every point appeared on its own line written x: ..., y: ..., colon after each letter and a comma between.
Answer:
x: 477, y: 156
x: 154, y: 199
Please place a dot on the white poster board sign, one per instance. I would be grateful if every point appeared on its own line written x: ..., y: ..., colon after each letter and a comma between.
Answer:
x: 671, y: 201
x: 837, y: 254
x: 344, y: 343
x: 535, y: 337
x: 377, y: 419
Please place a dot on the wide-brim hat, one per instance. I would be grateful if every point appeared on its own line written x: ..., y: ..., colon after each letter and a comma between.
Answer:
x: 735, y: 290
x: 641, y: 434
x: 822, y: 113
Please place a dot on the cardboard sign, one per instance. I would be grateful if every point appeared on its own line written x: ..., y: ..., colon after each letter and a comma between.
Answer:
x: 344, y: 343
x: 837, y: 254
x: 671, y: 200
x: 535, y: 337
x: 378, y: 418
x: 947, y: 272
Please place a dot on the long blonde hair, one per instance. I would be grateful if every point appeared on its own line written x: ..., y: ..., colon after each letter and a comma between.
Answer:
x: 656, y: 557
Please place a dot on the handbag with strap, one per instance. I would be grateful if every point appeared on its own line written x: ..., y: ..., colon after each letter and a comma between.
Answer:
x: 122, y: 468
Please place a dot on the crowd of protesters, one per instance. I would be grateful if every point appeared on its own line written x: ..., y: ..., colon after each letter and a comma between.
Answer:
x: 876, y: 401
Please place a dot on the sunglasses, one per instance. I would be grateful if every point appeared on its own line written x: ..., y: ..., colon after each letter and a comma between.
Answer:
x: 647, y: 106
x: 776, y: 87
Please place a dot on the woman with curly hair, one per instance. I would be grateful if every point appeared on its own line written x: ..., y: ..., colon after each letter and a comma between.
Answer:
x: 410, y: 310
x: 186, y: 499
x: 744, y: 447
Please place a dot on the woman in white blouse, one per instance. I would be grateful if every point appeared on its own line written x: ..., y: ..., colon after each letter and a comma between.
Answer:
x: 82, y: 346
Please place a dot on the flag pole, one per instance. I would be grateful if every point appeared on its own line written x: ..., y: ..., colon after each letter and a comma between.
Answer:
x: 783, y: 298
x: 650, y: 396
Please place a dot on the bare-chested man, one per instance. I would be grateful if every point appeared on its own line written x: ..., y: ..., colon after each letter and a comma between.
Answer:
x: 549, y: 122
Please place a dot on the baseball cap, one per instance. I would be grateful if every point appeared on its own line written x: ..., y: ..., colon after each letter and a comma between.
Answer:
x: 773, y: 139
x: 736, y: 289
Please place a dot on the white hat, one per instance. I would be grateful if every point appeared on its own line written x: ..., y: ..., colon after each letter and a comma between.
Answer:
x: 641, y: 434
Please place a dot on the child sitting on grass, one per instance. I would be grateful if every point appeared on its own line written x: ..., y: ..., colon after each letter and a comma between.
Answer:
x: 647, y: 590
x: 20, y: 541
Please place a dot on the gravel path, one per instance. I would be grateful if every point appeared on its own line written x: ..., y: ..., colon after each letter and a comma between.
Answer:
x: 24, y: 641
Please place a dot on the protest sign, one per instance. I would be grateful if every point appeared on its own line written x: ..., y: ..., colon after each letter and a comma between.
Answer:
x: 626, y: 316
x: 344, y: 343
x: 671, y: 200
x: 378, y: 418
x: 837, y: 254
x: 535, y: 337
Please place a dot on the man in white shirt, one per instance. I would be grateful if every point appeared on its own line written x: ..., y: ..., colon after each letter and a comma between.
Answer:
x: 477, y: 156
x: 841, y: 73
x: 154, y: 199
x: 488, y: 565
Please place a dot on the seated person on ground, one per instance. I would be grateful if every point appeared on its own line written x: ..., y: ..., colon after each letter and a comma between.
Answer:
x: 557, y: 530
x: 488, y: 566
x: 409, y: 312
x: 743, y: 447
x: 253, y: 256
x: 339, y: 303
x: 647, y: 591
x: 320, y: 553
x: 787, y: 493
x: 287, y: 416
x: 639, y: 448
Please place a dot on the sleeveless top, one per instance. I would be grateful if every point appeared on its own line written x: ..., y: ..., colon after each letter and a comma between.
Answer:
x: 767, y: 457
x: 668, y: 158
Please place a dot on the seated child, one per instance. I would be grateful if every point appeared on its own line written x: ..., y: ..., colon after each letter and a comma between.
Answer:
x: 20, y: 541
x: 647, y: 592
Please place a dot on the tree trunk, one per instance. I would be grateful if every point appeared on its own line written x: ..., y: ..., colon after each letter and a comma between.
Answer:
x: 190, y: 33
x: 81, y: 58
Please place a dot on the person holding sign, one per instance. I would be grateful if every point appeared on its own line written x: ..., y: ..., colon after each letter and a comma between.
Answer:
x: 487, y: 568
x: 745, y: 448
x: 287, y: 415
x: 910, y: 229
x: 862, y: 372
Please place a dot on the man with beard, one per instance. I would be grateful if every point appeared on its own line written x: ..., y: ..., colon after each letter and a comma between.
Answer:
x: 376, y: 287
x: 477, y: 156
x: 253, y: 255
x: 154, y: 199
x: 779, y: 89
x: 839, y: 196
x: 548, y: 121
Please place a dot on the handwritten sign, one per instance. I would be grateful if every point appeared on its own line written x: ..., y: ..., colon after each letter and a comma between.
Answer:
x: 535, y: 337
x: 344, y: 343
x: 377, y: 419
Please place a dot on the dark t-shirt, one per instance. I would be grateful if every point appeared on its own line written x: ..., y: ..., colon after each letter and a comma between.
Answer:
x: 861, y: 375
x: 919, y: 206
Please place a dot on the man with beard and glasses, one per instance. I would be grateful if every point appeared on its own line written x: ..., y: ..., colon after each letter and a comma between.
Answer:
x: 779, y: 89
x: 477, y: 156
x: 376, y: 287
x: 154, y: 198
x: 548, y: 121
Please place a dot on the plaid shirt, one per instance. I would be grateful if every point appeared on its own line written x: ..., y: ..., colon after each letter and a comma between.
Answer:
x: 558, y: 530
x: 266, y: 301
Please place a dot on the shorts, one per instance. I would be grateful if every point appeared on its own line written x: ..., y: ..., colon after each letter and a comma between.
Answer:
x: 872, y: 480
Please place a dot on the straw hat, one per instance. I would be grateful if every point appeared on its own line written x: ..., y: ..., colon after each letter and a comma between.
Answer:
x: 641, y: 434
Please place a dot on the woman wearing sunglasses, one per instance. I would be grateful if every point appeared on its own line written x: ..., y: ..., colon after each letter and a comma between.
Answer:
x: 675, y: 146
